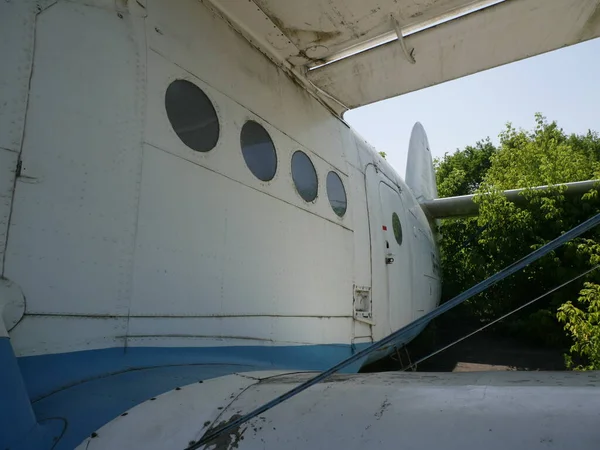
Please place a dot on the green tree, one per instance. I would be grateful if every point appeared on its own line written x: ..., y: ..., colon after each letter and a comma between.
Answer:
x: 544, y: 156
x: 475, y: 248
x: 461, y: 172
x: 583, y: 325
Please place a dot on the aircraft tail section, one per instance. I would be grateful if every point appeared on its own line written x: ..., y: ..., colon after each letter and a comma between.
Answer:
x: 420, y: 175
x: 464, y: 205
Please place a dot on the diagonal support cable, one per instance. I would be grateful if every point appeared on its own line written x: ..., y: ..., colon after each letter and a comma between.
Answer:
x: 531, y: 302
x: 406, y: 330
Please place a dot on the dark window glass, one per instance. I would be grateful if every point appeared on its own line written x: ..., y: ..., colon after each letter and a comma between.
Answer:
x: 304, y: 176
x: 258, y: 150
x: 336, y: 193
x: 397, y: 228
x: 192, y: 115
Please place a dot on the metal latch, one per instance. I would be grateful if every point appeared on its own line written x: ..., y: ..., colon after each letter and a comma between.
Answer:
x: 362, y: 302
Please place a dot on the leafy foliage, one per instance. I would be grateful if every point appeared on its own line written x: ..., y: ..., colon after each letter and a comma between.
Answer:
x: 475, y: 248
x: 584, y: 327
x: 462, y: 172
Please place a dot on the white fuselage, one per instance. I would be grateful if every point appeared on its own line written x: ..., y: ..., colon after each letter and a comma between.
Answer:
x: 120, y: 235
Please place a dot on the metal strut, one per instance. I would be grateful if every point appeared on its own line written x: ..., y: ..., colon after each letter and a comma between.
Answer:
x: 408, y: 54
x: 406, y: 330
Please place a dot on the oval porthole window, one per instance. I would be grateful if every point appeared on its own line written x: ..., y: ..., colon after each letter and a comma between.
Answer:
x: 336, y: 193
x: 397, y: 228
x: 304, y: 176
x: 258, y: 151
x: 192, y: 115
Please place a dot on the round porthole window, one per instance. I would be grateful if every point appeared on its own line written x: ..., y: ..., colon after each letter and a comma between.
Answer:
x: 258, y: 151
x: 397, y: 228
x: 192, y: 115
x: 336, y: 194
x: 304, y: 176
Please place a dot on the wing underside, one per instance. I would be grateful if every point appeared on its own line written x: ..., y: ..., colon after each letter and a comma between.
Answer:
x: 351, y: 53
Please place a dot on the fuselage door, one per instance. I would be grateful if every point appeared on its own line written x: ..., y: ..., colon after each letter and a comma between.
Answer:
x: 396, y: 242
x: 391, y: 243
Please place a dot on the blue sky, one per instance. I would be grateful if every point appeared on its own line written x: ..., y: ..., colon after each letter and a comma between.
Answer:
x: 564, y: 85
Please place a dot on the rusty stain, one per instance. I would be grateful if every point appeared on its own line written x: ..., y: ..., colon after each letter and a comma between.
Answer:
x: 229, y: 440
x: 288, y: 73
x: 315, y: 36
x: 311, y: 35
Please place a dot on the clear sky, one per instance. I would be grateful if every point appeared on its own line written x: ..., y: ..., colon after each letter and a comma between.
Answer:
x: 564, y: 85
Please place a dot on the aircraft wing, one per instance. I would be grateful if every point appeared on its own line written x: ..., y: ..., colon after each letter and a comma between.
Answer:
x: 354, y: 52
x: 453, y: 411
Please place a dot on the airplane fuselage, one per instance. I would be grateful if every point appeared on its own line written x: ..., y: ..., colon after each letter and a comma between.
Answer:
x: 172, y: 198
x: 130, y: 228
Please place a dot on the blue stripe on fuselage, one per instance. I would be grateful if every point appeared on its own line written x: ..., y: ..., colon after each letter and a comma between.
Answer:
x: 89, y: 388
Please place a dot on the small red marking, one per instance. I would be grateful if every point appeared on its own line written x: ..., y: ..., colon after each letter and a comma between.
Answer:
x: 384, y: 228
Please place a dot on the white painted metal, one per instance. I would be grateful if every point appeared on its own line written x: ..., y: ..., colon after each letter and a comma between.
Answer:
x: 408, y: 54
x: 426, y: 275
x: 463, y: 205
x: 510, y: 31
x: 8, y: 168
x: 412, y: 278
x: 420, y: 175
x: 74, y: 212
x: 194, y: 409
x: 414, y: 27
x: 118, y: 235
x: 259, y: 27
x: 495, y: 410
x: 319, y: 28
x: 357, y: 40
x: 187, y: 33
x: 12, y: 306
x: 293, y: 329
x: 121, y: 235
x: 17, y: 25
x: 46, y: 334
x: 379, y: 277
x: 17, y: 22
x: 398, y: 262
